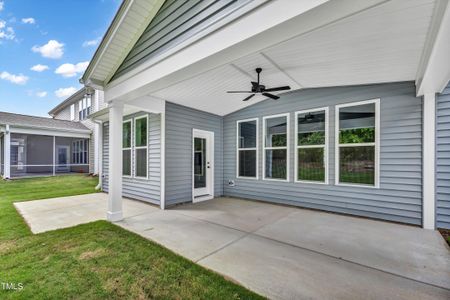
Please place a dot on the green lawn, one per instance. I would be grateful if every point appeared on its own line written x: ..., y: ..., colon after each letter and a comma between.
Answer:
x: 93, y: 261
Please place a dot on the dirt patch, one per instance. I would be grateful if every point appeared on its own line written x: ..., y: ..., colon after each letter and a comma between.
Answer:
x: 446, y: 234
x: 7, y: 246
x: 92, y: 254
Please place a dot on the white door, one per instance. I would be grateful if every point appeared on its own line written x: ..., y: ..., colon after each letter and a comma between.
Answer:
x: 62, y: 158
x: 203, y: 165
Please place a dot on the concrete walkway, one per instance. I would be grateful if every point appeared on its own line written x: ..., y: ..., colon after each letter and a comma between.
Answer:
x: 284, y: 252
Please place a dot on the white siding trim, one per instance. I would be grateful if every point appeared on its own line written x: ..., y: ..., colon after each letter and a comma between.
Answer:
x: 428, y: 165
x: 376, y: 143
x: 163, y: 161
x: 264, y: 148
x: 72, y: 112
x: 255, y: 148
x: 325, y: 146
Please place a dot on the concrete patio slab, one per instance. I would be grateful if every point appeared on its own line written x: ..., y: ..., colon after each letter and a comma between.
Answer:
x: 56, y: 213
x: 187, y: 236
x: 281, y: 252
x: 281, y: 271
x: 400, y: 249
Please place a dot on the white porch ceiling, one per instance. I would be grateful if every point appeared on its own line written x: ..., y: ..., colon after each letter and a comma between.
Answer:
x: 381, y: 44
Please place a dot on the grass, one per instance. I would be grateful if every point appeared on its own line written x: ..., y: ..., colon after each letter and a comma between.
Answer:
x: 93, y: 261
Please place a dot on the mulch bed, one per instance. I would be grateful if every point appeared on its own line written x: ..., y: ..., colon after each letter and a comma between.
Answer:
x: 446, y: 234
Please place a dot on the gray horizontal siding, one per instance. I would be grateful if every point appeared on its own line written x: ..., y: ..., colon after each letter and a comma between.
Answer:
x: 180, y: 122
x: 175, y: 22
x: 443, y: 159
x: 399, y: 197
x: 148, y: 190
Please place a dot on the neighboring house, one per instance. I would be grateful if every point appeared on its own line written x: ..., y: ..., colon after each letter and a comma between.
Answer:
x: 77, y: 108
x: 36, y: 146
x: 364, y: 129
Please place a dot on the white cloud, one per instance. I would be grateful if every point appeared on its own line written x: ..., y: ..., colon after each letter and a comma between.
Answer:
x: 41, y: 94
x: 53, y: 49
x: 2, y: 4
x: 39, y: 68
x: 28, y: 20
x: 6, y: 32
x: 91, y: 43
x: 17, y: 79
x: 65, y: 92
x: 71, y: 70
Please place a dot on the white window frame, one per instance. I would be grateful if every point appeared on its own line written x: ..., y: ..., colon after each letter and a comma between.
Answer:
x: 325, y: 146
x: 72, y: 112
x: 140, y: 147
x: 129, y: 148
x: 253, y: 148
x: 287, y: 115
x: 376, y: 144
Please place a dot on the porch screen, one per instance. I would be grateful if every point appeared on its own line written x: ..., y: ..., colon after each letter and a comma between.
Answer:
x: 357, y: 143
x: 247, y: 148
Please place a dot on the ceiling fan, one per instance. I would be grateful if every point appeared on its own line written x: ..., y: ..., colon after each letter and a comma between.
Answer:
x: 258, y: 88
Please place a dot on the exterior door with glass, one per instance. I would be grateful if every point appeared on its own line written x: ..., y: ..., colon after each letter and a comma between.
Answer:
x: 203, y: 165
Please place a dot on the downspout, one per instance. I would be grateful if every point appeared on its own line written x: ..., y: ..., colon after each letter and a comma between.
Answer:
x: 100, y: 155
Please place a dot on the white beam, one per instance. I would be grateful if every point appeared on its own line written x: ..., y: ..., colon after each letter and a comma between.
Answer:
x: 428, y: 158
x: 7, y: 153
x: 434, y: 70
x: 115, y: 162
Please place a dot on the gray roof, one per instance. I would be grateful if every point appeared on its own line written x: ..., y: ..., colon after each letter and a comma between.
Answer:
x: 40, y: 122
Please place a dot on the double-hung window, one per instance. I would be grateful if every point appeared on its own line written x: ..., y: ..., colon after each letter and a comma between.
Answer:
x: 126, y: 148
x: 140, y: 146
x: 311, y: 133
x: 357, y: 143
x: 247, y: 148
x: 80, y: 152
x: 276, y: 149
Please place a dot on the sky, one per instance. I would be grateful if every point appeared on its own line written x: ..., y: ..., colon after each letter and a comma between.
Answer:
x: 45, y: 45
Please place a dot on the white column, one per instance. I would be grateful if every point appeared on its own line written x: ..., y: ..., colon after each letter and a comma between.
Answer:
x: 163, y: 161
x: 7, y: 153
x: 115, y: 162
x: 428, y: 165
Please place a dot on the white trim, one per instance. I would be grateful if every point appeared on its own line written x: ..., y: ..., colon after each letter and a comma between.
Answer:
x: 49, y: 131
x: 140, y: 147
x: 264, y: 148
x: 376, y: 144
x: 429, y: 161
x: 254, y: 148
x: 72, y: 112
x: 129, y: 148
x: 163, y: 161
x: 211, y: 187
x: 325, y: 146
x: 7, y: 152
x: 54, y: 155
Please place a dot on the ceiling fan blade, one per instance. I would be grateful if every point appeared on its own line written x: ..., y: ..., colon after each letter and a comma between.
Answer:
x: 271, y: 96
x: 280, y: 88
x: 248, y: 98
x: 239, y: 92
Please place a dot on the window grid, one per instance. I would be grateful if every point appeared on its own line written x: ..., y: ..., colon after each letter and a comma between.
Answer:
x: 128, y: 148
x: 286, y: 115
x: 321, y: 146
x: 239, y: 149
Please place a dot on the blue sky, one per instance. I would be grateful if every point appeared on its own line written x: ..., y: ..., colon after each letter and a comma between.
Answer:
x: 45, y: 46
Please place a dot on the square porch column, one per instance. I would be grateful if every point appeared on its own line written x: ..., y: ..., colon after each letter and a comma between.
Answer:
x: 429, y: 161
x: 115, y: 162
x: 7, y: 154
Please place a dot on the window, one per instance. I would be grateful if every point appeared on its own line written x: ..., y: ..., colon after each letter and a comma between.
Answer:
x: 311, y: 133
x: 72, y: 112
x: 247, y: 148
x: 140, y: 146
x: 357, y: 143
x: 126, y: 148
x: 80, y: 152
x: 276, y: 141
x: 84, y: 107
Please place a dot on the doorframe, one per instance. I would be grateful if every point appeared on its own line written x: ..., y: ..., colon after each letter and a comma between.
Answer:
x: 211, y: 188
x: 67, y: 148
